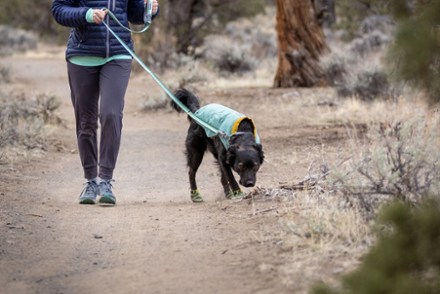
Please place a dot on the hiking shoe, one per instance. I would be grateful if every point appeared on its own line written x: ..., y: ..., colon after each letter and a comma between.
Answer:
x: 105, y: 191
x: 89, y: 193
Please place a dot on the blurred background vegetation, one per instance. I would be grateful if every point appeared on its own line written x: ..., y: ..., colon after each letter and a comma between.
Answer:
x: 415, y: 53
x: 210, y: 15
x: 411, y: 26
x: 33, y: 16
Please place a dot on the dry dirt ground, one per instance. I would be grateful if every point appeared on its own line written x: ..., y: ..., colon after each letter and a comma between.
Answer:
x: 155, y: 240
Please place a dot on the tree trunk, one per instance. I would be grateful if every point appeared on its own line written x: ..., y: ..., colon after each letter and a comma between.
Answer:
x: 300, y: 44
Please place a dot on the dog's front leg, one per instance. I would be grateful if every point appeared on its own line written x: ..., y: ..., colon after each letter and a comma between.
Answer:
x: 232, y: 183
x: 225, y: 183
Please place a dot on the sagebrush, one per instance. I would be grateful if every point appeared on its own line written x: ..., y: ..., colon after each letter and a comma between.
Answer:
x: 399, y: 160
x: 23, y: 119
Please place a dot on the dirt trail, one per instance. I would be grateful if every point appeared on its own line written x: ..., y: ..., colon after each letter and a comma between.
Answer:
x: 155, y: 240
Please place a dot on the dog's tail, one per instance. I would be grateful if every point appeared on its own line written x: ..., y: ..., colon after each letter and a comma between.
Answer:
x: 187, y: 98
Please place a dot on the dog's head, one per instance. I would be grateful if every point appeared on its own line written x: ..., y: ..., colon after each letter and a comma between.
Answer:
x: 245, y: 156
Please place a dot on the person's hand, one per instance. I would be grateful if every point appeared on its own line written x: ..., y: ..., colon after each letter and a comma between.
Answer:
x: 155, y: 6
x: 99, y: 15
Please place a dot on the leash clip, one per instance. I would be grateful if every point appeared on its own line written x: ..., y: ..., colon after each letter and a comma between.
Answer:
x: 222, y: 134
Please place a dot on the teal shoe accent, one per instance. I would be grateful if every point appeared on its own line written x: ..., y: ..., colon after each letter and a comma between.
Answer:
x: 106, y: 193
x: 89, y: 193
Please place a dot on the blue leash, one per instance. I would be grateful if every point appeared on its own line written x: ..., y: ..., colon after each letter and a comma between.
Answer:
x: 152, y: 74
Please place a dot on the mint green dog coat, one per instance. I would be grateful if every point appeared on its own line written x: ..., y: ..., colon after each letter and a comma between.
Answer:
x: 223, y: 119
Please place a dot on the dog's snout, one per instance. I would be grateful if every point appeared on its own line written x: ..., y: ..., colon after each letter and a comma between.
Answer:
x: 249, y: 184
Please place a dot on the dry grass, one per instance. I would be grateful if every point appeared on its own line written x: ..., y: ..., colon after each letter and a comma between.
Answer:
x: 318, y: 237
x: 398, y: 159
x: 25, y: 124
x: 326, y: 239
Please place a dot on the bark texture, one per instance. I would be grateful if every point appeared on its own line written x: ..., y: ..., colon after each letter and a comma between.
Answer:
x: 301, y: 42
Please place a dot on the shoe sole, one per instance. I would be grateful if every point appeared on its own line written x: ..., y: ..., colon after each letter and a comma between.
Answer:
x: 87, y: 201
x: 107, y: 200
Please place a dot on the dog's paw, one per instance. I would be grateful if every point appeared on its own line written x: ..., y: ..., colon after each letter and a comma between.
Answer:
x: 236, y: 195
x: 196, y: 197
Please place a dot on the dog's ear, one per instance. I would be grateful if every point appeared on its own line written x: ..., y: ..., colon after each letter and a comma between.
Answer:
x: 231, y: 154
x: 259, y: 149
x: 233, y: 139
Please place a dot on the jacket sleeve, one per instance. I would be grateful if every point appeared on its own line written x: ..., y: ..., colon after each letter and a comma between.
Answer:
x: 67, y: 13
x: 137, y: 13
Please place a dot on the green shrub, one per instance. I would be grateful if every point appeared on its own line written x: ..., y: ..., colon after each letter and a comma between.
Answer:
x: 416, y: 51
x: 406, y: 258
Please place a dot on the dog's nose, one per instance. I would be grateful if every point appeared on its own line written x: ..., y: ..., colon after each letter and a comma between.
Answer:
x: 249, y: 184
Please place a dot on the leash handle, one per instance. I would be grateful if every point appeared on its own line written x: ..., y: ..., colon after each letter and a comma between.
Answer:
x: 149, y: 12
x: 148, y: 18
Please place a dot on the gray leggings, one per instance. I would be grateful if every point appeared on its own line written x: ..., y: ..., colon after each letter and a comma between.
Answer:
x: 88, y: 84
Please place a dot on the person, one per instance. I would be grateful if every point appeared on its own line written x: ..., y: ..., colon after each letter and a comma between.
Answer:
x: 98, y: 70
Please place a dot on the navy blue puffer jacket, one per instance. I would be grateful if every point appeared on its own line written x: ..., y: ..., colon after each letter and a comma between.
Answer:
x: 89, y: 39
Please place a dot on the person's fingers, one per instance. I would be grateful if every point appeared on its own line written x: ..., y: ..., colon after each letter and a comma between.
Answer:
x: 101, y: 13
x: 98, y: 15
x: 155, y: 6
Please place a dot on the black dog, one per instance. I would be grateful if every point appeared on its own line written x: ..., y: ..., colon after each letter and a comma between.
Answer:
x: 241, y: 151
